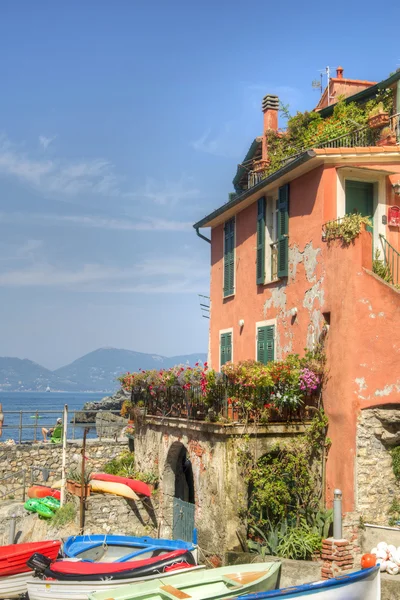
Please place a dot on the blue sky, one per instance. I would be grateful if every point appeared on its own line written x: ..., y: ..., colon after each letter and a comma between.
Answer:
x: 121, y: 124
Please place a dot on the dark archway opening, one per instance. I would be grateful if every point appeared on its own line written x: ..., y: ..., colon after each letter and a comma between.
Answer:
x: 184, y: 484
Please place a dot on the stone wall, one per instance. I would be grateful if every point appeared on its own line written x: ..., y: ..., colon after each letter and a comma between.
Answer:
x: 378, y: 431
x: 34, y: 458
x: 113, y: 514
x: 215, y: 451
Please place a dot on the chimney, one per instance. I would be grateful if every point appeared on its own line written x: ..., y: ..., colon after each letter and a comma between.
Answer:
x: 339, y: 73
x: 270, y: 107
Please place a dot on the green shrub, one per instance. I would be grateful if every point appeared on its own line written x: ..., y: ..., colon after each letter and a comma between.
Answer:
x: 124, y: 466
x: 64, y: 515
x: 396, y: 462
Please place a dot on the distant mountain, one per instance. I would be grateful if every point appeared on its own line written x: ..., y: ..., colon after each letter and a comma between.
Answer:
x: 96, y: 371
x: 22, y: 374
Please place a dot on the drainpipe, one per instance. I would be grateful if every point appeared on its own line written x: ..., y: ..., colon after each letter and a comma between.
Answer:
x: 203, y: 237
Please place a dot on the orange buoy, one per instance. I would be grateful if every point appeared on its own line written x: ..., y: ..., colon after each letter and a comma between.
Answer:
x: 368, y: 560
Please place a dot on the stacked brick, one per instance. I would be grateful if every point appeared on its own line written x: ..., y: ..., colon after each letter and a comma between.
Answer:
x: 337, y: 557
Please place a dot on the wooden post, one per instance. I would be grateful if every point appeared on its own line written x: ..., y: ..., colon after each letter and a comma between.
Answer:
x: 83, y: 484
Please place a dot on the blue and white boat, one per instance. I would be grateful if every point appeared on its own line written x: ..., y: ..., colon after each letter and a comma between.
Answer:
x: 360, y: 585
x: 121, y: 548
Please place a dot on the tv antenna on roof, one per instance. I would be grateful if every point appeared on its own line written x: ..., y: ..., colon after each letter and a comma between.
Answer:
x: 317, y: 85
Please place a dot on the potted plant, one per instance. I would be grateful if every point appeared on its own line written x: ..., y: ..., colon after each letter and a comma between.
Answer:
x: 129, y: 431
x: 378, y: 117
x: 387, y: 137
x: 74, y: 485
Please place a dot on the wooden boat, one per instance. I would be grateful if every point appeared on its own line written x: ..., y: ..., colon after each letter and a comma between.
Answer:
x: 14, y: 586
x: 40, y: 589
x: 137, y: 486
x: 112, y: 487
x: 361, y: 585
x: 67, y: 570
x: 13, y: 557
x: 225, y: 582
x: 116, y: 548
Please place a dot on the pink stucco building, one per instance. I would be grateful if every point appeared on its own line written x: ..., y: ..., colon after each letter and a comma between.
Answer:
x: 278, y: 287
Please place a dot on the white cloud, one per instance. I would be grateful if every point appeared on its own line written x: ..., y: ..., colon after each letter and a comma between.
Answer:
x: 46, y: 141
x: 26, y: 251
x: 59, y: 177
x: 168, y: 192
x: 225, y: 143
x: 98, y: 222
x: 161, y: 275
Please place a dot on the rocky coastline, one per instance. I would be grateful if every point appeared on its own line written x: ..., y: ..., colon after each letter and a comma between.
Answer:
x: 113, y: 402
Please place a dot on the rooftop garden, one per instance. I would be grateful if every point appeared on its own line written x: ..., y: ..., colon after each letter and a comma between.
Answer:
x: 247, y: 391
x: 307, y: 130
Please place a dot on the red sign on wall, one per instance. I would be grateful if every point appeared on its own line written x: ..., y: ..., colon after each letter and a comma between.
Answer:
x: 394, y: 216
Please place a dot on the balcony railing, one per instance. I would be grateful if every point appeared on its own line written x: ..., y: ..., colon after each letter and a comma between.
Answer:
x: 392, y: 261
x: 359, y: 138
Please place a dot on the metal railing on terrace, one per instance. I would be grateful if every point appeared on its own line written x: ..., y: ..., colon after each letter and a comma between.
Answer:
x: 362, y: 137
x: 226, y: 403
x: 22, y: 426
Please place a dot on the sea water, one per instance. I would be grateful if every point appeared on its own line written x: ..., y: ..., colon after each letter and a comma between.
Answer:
x: 34, y: 404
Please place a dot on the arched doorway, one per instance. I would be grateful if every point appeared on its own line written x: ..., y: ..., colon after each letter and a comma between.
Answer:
x: 178, y: 489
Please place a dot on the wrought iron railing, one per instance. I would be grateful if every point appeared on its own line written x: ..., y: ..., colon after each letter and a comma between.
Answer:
x: 392, y: 260
x: 226, y: 402
x: 359, y: 138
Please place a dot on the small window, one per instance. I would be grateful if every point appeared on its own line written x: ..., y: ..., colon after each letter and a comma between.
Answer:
x: 226, y: 347
x: 229, y: 257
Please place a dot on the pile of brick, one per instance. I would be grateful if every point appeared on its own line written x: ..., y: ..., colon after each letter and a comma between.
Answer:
x: 337, y: 556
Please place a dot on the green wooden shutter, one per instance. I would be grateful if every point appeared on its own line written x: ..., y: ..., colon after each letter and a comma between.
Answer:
x: 261, y: 240
x: 226, y: 348
x: 265, y: 344
x: 229, y: 257
x: 283, y: 231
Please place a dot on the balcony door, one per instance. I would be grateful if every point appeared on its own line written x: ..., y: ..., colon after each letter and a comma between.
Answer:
x: 360, y: 199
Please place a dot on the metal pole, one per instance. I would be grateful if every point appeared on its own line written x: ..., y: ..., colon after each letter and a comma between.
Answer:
x: 64, y: 454
x: 337, y: 515
x: 23, y: 484
x: 20, y: 426
x: 36, y: 423
x: 11, y: 534
x: 83, y: 483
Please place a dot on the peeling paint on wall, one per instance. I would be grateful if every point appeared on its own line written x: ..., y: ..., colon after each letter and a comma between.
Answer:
x: 314, y: 293
x: 388, y: 389
x: 314, y: 329
x: 309, y: 259
x: 360, y: 381
x: 277, y: 300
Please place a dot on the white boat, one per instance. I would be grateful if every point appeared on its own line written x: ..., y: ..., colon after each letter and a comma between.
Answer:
x: 12, y: 586
x: 360, y: 585
x: 39, y: 589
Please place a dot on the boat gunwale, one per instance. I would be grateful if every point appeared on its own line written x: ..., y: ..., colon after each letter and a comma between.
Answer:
x: 341, y: 580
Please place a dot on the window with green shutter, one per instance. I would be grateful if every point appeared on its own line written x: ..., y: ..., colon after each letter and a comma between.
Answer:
x: 266, y: 344
x: 260, y: 269
x: 283, y: 231
x: 229, y: 257
x: 226, y: 347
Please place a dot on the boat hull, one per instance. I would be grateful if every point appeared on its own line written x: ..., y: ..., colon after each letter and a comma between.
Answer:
x: 212, y: 584
x: 41, y: 491
x: 137, y: 486
x: 112, y: 487
x: 361, y: 585
x: 14, y: 585
x: 13, y: 557
x: 80, y: 590
x: 121, y: 548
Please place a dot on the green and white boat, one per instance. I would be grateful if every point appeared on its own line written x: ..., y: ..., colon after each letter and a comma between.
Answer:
x: 224, y: 582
